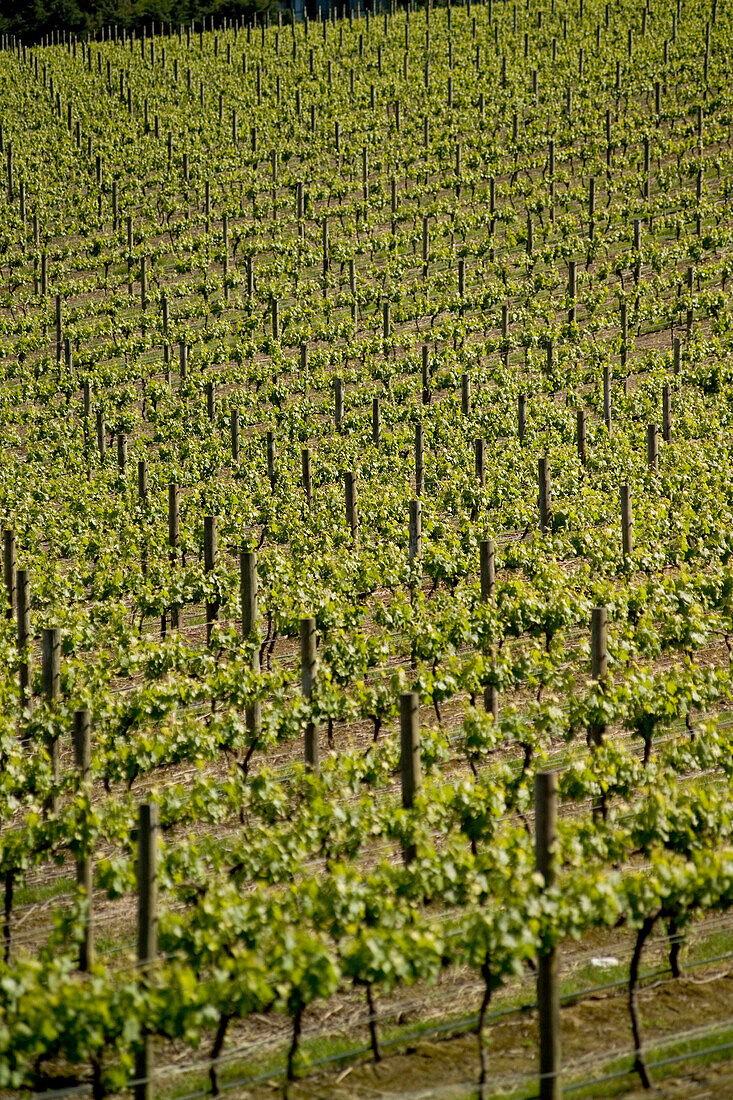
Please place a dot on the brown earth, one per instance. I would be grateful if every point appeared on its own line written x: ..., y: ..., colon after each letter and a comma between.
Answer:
x: 595, y: 1032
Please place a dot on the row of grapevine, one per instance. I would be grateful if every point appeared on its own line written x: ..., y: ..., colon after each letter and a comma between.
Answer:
x: 364, y: 389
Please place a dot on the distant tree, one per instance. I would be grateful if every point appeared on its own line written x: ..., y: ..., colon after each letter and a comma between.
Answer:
x: 35, y: 18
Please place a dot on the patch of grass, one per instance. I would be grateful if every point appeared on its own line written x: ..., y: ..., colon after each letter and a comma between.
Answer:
x: 712, y: 946
x: 664, y: 1060
x: 118, y: 942
x: 46, y: 891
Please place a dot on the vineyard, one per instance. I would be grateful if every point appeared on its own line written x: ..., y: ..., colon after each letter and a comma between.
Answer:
x: 367, y: 530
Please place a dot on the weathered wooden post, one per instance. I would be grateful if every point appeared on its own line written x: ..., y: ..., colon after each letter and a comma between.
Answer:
x: 466, y: 394
x: 543, y: 471
x: 410, y: 769
x: 122, y: 453
x: 82, y: 761
x: 598, y: 659
x: 627, y: 523
x: 338, y: 403
x: 142, y: 480
x: 487, y: 568
x: 174, y: 536
x: 147, y: 930
x: 9, y: 572
x: 479, y: 453
x: 308, y: 672
x: 210, y: 555
x: 24, y: 636
x: 652, y: 447
x: 599, y: 650
x: 307, y: 477
x: 386, y: 324
x: 666, y: 415
x: 248, y: 586
x: 426, y: 395
x: 376, y: 422
x: 581, y: 437
x: 234, y: 431
x: 548, y: 985
x: 415, y: 542
x: 350, y: 502
x: 270, y: 439
x: 51, y: 679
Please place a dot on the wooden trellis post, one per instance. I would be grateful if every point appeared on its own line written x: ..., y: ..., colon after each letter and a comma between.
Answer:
x: 410, y: 770
x: 548, y: 984
x: 82, y: 760
x: 147, y: 929
x: 308, y: 672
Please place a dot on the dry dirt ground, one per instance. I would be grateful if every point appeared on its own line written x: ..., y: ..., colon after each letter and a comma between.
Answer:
x: 596, y: 1041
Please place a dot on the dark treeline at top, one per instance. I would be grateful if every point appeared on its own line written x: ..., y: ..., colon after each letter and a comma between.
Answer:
x: 34, y: 18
